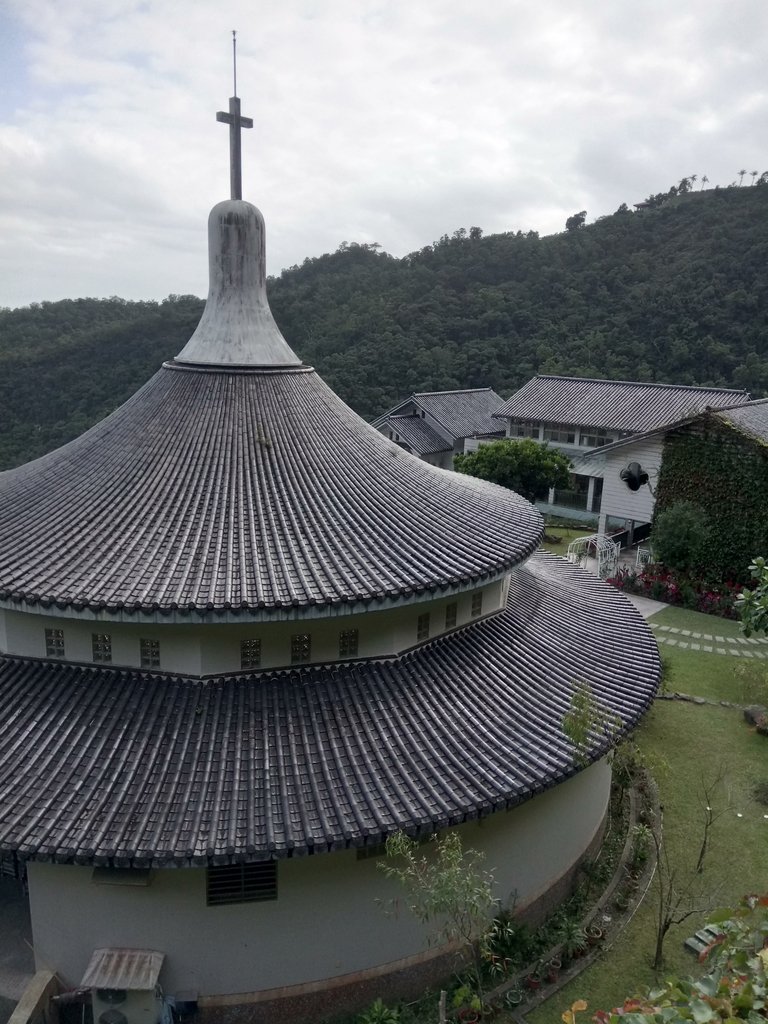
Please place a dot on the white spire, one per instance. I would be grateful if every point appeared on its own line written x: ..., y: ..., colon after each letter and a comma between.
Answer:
x: 237, y: 327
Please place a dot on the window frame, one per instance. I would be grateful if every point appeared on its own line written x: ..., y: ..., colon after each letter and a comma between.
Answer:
x: 250, y: 654
x: 54, y: 642
x: 101, y: 648
x: 301, y: 648
x: 149, y: 652
x: 349, y: 643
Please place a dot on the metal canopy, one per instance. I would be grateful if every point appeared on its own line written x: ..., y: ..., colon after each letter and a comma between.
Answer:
x: 130, y: 969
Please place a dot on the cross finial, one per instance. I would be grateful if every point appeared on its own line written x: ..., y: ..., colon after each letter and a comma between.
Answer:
x: 235, y: 121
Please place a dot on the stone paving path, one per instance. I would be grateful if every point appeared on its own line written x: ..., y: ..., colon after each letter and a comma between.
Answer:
x: 686, y: 639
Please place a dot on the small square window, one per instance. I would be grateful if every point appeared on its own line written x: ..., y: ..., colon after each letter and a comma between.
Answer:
x: 301, y: 647
x: 451, y: 612
x: 101, y: 647
x: 54, y: 643
x: 477, y: 604
x: 150, y: 653
x: 348, y: 643
x: 241, y: 883
x: 422, y: 627
x: 250, y: 653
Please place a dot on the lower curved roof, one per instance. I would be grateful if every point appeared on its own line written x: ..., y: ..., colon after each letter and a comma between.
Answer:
x: 126, y: 768
x: 240, y: 490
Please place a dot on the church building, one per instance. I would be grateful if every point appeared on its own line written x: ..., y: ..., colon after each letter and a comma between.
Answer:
x: 244, y: 637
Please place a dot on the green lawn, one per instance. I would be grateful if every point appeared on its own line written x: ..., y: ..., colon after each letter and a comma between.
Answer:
x: 565, y: 535
x: 698, y: 623
x: 688, y: 743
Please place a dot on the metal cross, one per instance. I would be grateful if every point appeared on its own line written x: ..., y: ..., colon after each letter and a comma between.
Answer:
x: 236, y: 121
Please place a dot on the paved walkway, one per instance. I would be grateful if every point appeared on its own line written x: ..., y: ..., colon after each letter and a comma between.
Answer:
x: 646, y: 606
x: 686, y: 639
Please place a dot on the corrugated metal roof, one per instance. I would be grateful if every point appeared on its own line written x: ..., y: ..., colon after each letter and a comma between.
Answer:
x: 752, y: 419
x: 131, y: 969
x: 101, y: 766
x: 612, y: 404
x: 245, y: 490
x: 418, y: 434
x: 463, y: 413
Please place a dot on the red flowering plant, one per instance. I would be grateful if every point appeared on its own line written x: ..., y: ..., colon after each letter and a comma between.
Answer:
x: 686, y: 590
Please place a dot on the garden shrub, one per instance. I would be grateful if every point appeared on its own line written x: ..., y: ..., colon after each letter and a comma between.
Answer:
x: 680, y: 537
x: 697, y: 594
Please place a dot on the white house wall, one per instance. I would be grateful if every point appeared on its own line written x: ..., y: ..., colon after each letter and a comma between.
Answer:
x: 618, y: 500
x: 204, y: 650
x: 327, y: 920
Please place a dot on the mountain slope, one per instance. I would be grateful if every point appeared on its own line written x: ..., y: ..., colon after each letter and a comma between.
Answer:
x: 678, y: 293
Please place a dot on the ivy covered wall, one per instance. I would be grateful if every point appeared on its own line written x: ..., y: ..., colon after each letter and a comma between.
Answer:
x: 724, y: 472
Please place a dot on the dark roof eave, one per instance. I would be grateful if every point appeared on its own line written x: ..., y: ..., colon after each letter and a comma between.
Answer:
x: 513, y: 673
x: 49, y: 604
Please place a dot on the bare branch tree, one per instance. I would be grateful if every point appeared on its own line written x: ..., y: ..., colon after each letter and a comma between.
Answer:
x: 681, y: 893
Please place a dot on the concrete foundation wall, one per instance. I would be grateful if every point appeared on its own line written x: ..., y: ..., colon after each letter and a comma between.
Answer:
x: 326, y: 921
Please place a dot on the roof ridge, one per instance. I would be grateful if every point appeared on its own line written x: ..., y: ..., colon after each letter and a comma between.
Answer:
x: 642, y: 383
x: 456, y: 391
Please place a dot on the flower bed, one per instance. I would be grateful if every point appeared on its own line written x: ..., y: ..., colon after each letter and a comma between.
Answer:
x: 662, y: 584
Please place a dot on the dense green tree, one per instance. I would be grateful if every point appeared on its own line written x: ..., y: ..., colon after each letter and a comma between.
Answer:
x: 576, y: 221
x: 524, y: 466
x: 675, y: 293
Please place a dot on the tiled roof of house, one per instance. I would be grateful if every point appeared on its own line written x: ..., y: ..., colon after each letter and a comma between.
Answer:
x: 245, y: 489
x: 102, y: 765
x: 612, y: 404
x: 463, y: 413
x: 418, y: 434
x: 751, y: 419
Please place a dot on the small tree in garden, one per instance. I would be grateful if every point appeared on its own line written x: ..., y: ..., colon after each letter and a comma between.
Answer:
x: 448, y: 890
x: 680, y: 536
x: 524, y: 466
x: 584, y: 720
x: 682, y: 892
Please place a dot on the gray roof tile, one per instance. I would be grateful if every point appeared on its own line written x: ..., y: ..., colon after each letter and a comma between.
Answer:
x: 612, y: 404
x: 751, y: 419
x: 121, y: 767
x: 463, y: 413
x: 242, y: 490
x: 418, y: 434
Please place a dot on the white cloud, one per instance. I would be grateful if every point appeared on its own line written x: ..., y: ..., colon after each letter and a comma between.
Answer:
x: 375, y: 120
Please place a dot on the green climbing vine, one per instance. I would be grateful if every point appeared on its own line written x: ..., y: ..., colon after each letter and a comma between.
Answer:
x: 725, y: 473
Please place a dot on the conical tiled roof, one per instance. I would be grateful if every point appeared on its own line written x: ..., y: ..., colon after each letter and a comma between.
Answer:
x: 245, y: 490
x: 236, y: 480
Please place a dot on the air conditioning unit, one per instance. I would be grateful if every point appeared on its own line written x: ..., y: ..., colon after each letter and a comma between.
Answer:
x: 124, y: 986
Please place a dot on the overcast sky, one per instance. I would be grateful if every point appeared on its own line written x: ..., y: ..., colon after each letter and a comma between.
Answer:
x: 390, y: 121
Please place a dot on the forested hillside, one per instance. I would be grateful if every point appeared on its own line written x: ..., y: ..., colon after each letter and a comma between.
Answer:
x: 674, y: 293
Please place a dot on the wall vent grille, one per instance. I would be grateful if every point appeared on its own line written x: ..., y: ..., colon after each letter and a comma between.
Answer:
x: 241, y: 883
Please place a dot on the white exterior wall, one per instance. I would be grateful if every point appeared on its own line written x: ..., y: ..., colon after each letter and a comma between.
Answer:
x: 326, y: 921
x: 618, y: 501
x: 209, y: 649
